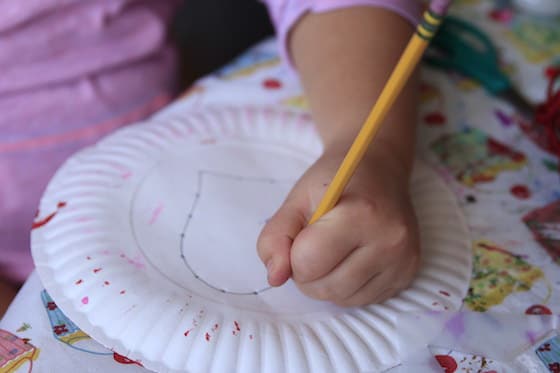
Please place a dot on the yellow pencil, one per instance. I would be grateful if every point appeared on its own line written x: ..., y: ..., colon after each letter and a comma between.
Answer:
x: 425, y: 31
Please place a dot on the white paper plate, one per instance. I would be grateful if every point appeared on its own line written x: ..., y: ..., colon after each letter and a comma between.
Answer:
x: 147, y: 242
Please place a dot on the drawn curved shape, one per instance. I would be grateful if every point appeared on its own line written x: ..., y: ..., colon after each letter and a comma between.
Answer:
x: 219, y: 198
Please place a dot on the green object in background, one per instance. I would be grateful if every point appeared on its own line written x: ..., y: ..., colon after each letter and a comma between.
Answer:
x: 462, y: 47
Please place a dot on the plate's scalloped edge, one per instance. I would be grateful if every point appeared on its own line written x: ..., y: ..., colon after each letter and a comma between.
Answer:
x: 71, y: 307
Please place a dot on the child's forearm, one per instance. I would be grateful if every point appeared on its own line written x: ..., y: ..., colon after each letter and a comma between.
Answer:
x: 344, y: 58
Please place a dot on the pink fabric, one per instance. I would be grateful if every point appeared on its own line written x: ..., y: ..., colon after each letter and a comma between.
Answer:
x: 285, y: 13
x: 72, y: 71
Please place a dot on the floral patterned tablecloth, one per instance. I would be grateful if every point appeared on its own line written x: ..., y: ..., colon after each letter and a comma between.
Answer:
x: 506, y: 183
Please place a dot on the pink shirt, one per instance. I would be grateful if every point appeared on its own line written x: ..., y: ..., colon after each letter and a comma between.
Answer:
x: 285, y: 13
x: 71, y: 71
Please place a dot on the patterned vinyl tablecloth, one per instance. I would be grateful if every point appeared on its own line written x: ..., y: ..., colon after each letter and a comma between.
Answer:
x: 506, y: 184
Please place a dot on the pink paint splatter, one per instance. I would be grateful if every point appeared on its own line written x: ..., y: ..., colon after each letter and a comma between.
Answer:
x: 85, y: 300
x: 531, y: 337
x: 136, y: 261
x: 443, y: 292
x: 251, y: 337
x: 456, y: 325
x: 97, y: 270
x: 88, y: 257
x: 155, y: 214
x: 207, y: 336
x: 126, y: 175
x: 122, y: 292
x: 78, y: 282
x: 215, y: 327
x: 106, y: 283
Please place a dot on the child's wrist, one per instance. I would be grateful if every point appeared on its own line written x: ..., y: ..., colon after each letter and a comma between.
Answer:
x: 380, y: 151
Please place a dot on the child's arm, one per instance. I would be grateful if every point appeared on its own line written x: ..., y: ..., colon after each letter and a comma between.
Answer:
x: 366, y: 248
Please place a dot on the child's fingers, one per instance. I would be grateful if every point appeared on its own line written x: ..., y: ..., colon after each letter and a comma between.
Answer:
x: 354, y: 272
x: 275, y: 242
x: 377, y: 290
x: 321, y: 247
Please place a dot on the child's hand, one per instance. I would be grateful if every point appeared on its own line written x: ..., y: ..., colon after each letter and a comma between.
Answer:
x: 363, y: 251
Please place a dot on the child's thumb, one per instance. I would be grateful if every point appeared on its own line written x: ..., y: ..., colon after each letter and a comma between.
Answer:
x: 275, y: 242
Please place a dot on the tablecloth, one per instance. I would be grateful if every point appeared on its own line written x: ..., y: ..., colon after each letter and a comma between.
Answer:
x: 506, y: 183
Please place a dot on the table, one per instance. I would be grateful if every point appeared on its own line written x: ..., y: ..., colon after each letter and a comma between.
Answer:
x: 507, y: 186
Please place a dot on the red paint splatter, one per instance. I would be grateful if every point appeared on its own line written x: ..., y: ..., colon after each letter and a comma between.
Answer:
x: 186, y: 334
x: 447, y: 363
x: 538, y: 309
x: 51, y: 306
x: 272, y: 83
x: 207, y: 336
x: 215, y: 327
x: 435, y: 119
x: 520, y: 191
x: 496, y: 148
x: 79, y: 282
x: 495, y: 248
x: 42, y: 222
x: 85, y: 300
x: 97, y: 270
x: 106, y: 283
x: 501, y: 15
x: 123, y: 291
x: 124, y: 360
x: 443, y: 292
x: 236, y: 324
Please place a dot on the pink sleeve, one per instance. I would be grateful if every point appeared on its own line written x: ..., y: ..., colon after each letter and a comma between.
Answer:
x: 285, y: 13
